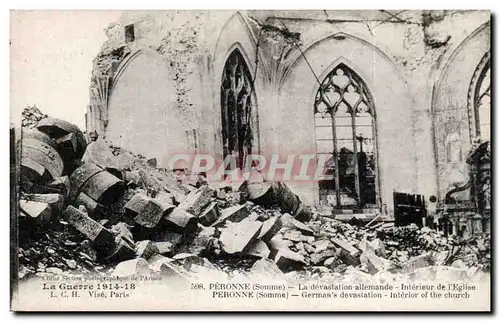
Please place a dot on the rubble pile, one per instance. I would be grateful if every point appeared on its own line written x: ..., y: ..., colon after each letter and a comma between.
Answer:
x: 31, y: 115
x: 94, y: 208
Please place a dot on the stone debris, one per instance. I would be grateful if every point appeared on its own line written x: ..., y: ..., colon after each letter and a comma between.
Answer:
x: 39, y: 212
x: 232, y: 214
x: 101, y: 237
x: 270, y: 228
x: 238, y: 237
x: 94, y: 209
x: 259, y: 249
x: 146, y: 249
x: 164, y: 248
x: 267, y: 269
x: 197, y: 200
x: 151, y: 214
x: 129, y: 268
x: 98, y: 209
x: 209, y: 214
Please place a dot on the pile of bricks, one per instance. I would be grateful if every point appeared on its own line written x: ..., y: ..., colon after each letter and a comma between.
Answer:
x: 98, y: 208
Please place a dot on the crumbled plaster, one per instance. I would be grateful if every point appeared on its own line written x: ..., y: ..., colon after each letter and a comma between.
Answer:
x: 180, y: 46
x: 276, y: 41
x: 105, y: 66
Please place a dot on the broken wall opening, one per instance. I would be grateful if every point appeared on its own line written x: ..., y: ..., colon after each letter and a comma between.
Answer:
x: 237, y: 102
x: 345, y: 131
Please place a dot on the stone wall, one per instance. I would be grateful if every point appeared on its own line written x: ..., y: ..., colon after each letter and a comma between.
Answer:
x: 413, y: 64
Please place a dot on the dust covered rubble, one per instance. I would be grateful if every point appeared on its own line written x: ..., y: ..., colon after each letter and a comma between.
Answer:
x: 92, y: 208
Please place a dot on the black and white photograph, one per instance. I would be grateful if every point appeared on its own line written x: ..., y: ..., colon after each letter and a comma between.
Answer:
x: 250, y: 160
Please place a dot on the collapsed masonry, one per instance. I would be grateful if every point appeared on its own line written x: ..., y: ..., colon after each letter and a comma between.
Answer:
x: 94, y: 208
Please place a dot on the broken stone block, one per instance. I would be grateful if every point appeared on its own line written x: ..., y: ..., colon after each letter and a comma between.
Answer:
x: 57, y: 128
x: 67, y: 146
x: 101, y: 238
x: 41, y: 213
x: 164, y: 248
x: 94, y: 209
x: 292, y: 235
x: 164, y: 197
x: 182, y: 256
x: 38, y: 135
x: 181, y: 220
x: 56, y: 201
x: 232, y: 214
x: 133, y: 267
x: 256, y: 190
x: 375, y: 263
x: 266, y: 269
x: 269, y: 229
x: 286, y: 259
x: 378, y: 247
x: 169, y: 236
x: 238, y: 237
x: 300, y: 247
x: 123, y: 251
x: 81, y: 175
x: 31, y: 170
x: 132, y: 177
x: 267, y: 193
x: 122, y: 230
x: 322, y: 245
x: 303, y: 213
x: 61, y: 185
x: 68, y: 143
x: 145, y: 249
x: 189, y: 259
x: 277, y: 243
x: 259, y: 249
x: 319, y: 258
x: 44, y: 155
x: 197, y: 200
x: 288, y: 221
x: 204, y: 242
x: 97, y: 183
x: 420, y: 261
x: 150, y: 215
x: 98, y: 152
x: 309, y: 248
x: 137, y: 204
x: 330, y: 262
x: 209, y: 214
x: 348, y: 253
x: 104, y: 188
x: 365, y: 246
x: 83, y: 209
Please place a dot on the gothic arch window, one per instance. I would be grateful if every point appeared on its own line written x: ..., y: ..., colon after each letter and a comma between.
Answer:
x: 237, y: 100
x: 481, y: 99
x: 344, y: 119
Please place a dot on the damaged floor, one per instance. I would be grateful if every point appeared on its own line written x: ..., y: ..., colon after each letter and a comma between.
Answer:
x: 96, y: 209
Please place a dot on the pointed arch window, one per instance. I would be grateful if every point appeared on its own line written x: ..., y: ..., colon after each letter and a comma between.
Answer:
x: 237, y: 101
x: 344, y: 118
x: 482, y: 101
